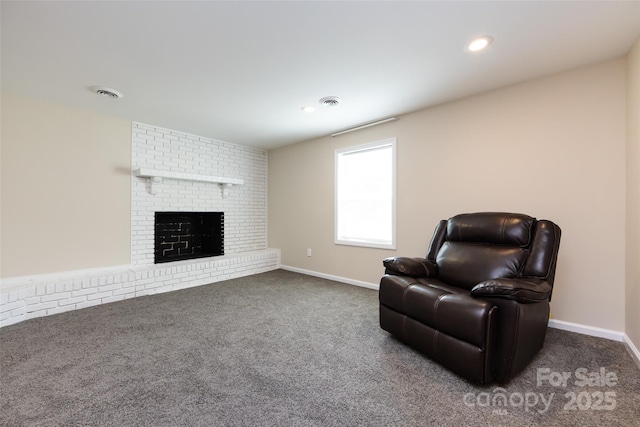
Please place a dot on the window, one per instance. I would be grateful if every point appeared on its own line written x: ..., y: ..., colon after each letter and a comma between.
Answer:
x: 365, y: 195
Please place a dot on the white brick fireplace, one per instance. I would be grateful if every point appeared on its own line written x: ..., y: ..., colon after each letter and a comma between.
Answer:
x: 180, y: 154
x: 171, y: 171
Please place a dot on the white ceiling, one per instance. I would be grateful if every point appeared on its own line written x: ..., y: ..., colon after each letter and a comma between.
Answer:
x: 241, y: 71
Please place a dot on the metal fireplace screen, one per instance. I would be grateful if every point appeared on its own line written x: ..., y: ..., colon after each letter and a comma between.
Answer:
x: 188, y: 235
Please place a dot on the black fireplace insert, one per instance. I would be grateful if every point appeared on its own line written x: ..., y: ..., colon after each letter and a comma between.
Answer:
x: 188, y: 235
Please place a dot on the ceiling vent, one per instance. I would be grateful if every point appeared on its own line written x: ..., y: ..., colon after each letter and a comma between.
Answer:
x: 330, y: 101
x: 105, y: 91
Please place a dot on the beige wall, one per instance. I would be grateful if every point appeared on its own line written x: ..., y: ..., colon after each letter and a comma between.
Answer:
x: 65, y: 189
x: 633, y: 196
x: 553, y: 148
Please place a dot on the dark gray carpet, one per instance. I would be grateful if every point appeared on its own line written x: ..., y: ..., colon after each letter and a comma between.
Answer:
x: 280, y: 349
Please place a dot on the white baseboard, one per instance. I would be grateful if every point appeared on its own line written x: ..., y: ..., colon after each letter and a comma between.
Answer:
x: 632, y: 349
x: 360, y: 283
x: 593, y: 331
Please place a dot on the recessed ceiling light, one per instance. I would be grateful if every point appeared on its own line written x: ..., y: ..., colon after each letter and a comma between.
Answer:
x: 480, y: 43
x: 106, y: 91
x: 330, y: 101
x: 308, y: 109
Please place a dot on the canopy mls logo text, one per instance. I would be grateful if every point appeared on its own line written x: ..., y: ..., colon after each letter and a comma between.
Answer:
x: 598, y: 397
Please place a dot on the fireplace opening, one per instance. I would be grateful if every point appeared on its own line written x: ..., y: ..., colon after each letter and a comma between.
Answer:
x: 188, y: 235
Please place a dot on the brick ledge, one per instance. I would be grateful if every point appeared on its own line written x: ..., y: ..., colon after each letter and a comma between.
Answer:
x: 26, y: 297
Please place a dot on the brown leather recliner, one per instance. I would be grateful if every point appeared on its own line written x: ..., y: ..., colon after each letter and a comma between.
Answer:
x: 479, y: 302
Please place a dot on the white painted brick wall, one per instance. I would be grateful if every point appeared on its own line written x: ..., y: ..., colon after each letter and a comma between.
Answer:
x: 245, y: 207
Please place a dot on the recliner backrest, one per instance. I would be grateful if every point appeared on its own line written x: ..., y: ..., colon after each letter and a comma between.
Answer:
x: 471, y: 248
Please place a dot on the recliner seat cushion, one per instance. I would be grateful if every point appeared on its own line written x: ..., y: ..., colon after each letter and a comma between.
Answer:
x: 393, y: 289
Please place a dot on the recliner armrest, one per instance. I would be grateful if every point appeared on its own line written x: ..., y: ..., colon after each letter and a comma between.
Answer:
x: 413, y: 267
x: 521, y: 290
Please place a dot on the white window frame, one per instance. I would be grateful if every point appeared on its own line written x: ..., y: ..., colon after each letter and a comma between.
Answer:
x: 354, y: 149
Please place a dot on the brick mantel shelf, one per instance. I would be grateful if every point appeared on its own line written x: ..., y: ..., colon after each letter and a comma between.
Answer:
x: 156, y: 176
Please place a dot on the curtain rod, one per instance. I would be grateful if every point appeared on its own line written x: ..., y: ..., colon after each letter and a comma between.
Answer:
x: 379, y: 122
